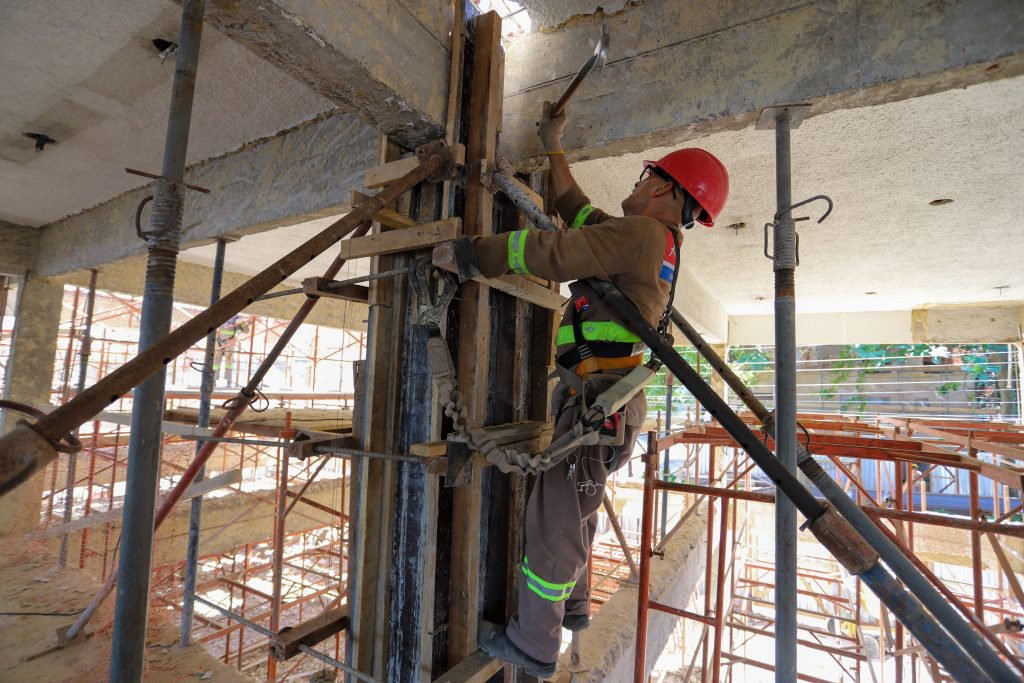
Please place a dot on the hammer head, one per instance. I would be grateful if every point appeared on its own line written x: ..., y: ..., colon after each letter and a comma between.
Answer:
x: 601, y: 49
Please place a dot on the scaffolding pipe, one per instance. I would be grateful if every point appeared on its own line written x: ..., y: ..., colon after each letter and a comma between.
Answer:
x: 83, y: 372
x: 238, y: 406
x: 944, y: 649
x: 646, y: 534
x: 163, y: 241
x: 29, y: 447
x: 961, y: 630
x: 784, y: 251
x: 202, y: 421
x: 665, y: 465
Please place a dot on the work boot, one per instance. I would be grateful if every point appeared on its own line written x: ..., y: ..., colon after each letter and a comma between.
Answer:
x: 576, y: 622
x: 500, y: 647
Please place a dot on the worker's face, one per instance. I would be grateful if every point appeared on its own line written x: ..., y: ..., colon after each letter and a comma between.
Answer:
x: 650, y: 188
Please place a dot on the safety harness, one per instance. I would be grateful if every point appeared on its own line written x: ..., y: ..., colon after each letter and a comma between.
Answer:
x: 601, y: 377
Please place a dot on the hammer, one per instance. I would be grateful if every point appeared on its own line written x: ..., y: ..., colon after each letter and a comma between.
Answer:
x: 600, y: 55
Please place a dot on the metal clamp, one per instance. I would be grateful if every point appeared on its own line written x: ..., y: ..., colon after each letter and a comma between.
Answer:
x: 69, y: 443
x: 777, y: 216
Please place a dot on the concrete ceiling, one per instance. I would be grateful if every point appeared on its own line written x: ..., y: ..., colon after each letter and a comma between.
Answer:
x: 87, y: 75
x: 882, y: 166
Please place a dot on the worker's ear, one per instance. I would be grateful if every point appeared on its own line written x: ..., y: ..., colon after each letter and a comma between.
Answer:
x: 662, y: 189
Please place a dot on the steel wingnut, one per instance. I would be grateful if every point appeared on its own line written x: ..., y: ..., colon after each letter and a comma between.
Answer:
x: 844, y: 542
x: 438, y: 149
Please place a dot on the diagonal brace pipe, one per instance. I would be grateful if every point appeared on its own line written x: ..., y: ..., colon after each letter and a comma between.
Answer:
x: 28, y: 448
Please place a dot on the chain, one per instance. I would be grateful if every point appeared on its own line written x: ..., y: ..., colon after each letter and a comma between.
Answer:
x: 330, y: 661
x: 505, y: 459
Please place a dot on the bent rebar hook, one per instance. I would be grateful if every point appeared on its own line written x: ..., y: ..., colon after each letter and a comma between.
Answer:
x: 816, y: 197
x: 825, y: 198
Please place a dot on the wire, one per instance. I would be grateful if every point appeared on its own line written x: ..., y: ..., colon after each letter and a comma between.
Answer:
x: 41, y: 614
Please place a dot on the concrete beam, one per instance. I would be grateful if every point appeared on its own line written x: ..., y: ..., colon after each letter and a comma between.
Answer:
x: 814, y: 329
x: 192, y: 286
x: 986, y: 323
x: 304, y: 173
x: 17, y: 248
x: 681, y: 69
x: 388, y: 62
x: 700, y: 308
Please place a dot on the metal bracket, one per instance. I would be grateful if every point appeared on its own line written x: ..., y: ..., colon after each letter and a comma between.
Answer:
x: 316, y: 287
x: 302, y: 447
x: 797, y: 114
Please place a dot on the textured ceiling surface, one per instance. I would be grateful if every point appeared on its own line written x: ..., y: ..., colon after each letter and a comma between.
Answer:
x: 885, y: 247
x: 87, y: 75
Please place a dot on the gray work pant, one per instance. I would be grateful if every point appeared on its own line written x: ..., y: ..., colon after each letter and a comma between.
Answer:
x: 561, y: 518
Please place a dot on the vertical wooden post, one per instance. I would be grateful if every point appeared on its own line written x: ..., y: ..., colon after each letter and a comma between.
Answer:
x: 375, y: 481
x: 473, y: 362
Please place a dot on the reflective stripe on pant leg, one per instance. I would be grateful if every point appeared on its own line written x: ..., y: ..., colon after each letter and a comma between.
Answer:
x: 555, y: 592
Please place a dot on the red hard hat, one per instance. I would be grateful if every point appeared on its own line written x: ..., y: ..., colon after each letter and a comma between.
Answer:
x: 702, y: 175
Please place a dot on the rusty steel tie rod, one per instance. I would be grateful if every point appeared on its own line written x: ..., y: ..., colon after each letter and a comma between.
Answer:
x: 30, y: 447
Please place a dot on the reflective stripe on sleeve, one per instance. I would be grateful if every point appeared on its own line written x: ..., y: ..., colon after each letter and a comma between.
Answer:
x: 555, y: 592
x: 581, y: 217
x: 517, y: 252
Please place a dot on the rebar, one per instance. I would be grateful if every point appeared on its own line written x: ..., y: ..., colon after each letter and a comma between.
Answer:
x: 262, y: 630
x: 377, y: 455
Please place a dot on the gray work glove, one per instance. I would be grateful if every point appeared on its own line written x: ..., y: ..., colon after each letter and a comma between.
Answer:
x: 551, y: 129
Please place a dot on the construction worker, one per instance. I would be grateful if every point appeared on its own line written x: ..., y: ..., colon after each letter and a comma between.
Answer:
x: 228, y: 335
x: 639, y: 254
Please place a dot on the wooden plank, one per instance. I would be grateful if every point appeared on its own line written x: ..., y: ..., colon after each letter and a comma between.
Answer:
x: 388, y: 218
x: 473, y: 364
x: 515, y: 285
x: 373, y: 520
x: 478, y: 667
x: 528, y: 291
x: 317, y: 287
x: 382, y: 175
x: 285, y: 645
x: 114, y: 515
x: 416, y: 237
x: 270, y: 422
x: 962, y: 440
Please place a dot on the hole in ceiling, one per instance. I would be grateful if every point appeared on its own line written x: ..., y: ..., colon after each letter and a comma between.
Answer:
x: 871, y: 293
x: 164, y: 48
x: 42, y: 140
x: 940, y: 202
x: 736, y: 226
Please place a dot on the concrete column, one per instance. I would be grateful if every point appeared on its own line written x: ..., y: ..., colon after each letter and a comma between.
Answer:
x: 29, y: 376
